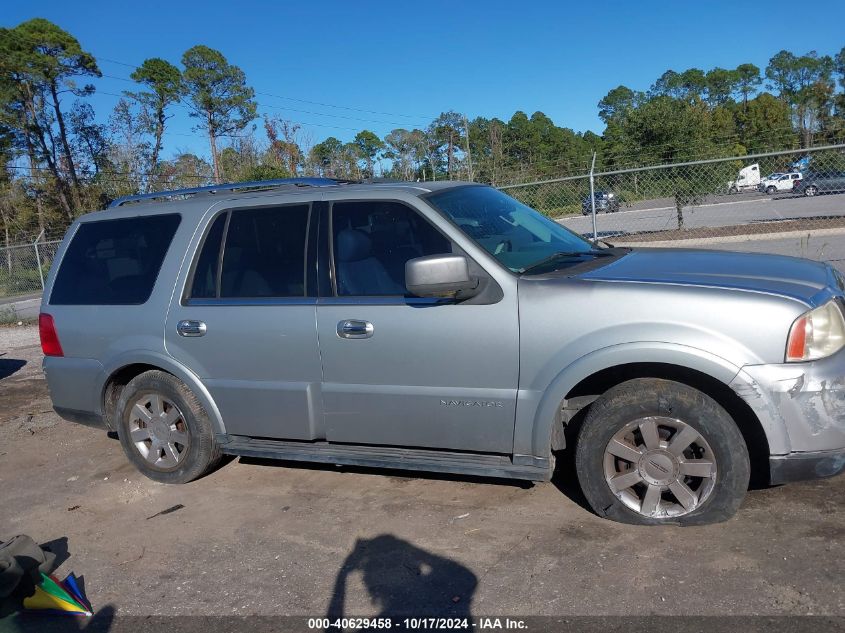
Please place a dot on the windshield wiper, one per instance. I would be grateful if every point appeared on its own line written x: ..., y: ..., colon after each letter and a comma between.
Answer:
x: 563, y: 255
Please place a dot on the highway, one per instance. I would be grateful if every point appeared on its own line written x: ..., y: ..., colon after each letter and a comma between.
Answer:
x: 717, y: 211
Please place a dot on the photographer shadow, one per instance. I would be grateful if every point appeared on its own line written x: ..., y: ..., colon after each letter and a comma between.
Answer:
x: 405, y: 581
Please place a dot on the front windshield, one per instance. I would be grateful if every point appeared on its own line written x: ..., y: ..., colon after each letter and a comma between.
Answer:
x: 515, y: 234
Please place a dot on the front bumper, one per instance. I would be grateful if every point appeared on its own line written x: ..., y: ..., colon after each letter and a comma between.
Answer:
x: 804, y: 466
x: 801, y: 407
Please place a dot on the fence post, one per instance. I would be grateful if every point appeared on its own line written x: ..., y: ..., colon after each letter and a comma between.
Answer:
x: 593, y: 197
x: 38, y: 259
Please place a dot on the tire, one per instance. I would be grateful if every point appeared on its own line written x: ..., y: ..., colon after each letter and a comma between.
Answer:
x: 771, y: 189
x: 653, y: 473
x: 177, y: 445
x: 733, y: 190
x: 810, y: 191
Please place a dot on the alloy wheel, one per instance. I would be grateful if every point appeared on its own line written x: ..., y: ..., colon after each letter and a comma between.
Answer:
x: 158, y: 431
x: 660, y: 467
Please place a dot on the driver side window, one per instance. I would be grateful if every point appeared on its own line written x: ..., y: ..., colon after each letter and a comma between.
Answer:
x: 372, y: 240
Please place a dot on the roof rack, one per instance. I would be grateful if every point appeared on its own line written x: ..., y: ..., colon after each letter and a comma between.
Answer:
x: 254, y: 184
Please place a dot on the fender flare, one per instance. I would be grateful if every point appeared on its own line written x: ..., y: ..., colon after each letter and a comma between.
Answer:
x: 533, y: 436
x: 170, y: 365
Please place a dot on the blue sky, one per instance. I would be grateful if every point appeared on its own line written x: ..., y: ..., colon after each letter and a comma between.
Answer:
x: 328, y: 65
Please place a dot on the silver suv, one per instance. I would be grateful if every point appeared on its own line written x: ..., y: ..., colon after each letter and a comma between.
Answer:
x: 443, y: 327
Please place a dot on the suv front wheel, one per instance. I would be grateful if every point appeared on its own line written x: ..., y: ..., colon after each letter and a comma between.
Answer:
x: 164, y: 430
x: 654, y: 451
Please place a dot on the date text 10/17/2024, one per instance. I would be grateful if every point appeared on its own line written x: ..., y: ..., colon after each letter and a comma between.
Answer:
x: 421, y: 623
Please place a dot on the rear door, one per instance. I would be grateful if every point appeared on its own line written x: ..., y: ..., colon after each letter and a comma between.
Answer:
x: 245, y: 320
x: 406, y: 371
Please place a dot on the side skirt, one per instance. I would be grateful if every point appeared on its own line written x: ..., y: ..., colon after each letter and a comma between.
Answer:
x: 478, y: 464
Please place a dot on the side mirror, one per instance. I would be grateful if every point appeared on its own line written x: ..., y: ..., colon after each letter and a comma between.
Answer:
x: 438, y: 276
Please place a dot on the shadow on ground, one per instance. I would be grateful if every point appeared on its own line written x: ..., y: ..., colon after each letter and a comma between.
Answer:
x: 404, y: 580
x: 9, y: 366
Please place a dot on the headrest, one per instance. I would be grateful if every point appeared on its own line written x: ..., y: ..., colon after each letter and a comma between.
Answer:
x: 353, y: 245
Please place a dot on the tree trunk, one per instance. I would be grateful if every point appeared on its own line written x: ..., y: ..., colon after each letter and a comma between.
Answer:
x: 8, y: 250
x: 61, y: 185
x: 212, y: 140
x: 33, y: 170
x: 156, y: 147
x: 63, y: 137
x: 34, y: 128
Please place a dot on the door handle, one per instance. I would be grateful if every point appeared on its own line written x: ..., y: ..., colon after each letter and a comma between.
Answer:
x: 191, y: 328
x: 352, y: 328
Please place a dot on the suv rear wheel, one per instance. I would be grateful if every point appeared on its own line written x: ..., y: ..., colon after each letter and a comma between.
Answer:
x: 654, y: 451
x: 164, y: 430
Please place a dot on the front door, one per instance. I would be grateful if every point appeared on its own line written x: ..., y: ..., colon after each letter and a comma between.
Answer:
x: 245, y: 324
x: 404, y: 371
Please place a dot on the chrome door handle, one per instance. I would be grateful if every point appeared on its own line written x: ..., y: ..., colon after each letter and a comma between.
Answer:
x: 191, y: 328
x: 353, y: 328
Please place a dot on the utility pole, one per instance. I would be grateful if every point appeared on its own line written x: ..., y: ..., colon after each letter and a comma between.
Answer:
x: 593, y: 197
x: 466, y: 147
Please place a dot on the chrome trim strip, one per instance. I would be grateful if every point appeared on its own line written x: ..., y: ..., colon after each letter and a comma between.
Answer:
x: 384, y: 301
x: 254, y: 301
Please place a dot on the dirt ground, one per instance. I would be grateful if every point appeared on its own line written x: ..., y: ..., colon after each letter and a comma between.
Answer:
x: 272, y: 538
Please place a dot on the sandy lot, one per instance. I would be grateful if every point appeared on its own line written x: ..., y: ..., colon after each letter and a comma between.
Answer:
x: 272, y: 538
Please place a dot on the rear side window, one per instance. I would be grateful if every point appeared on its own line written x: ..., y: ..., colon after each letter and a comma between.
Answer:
x: 205, y: 273
x: 114, y: 262
x: 263, y: 255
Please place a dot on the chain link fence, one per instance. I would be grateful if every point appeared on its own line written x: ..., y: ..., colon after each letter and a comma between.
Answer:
x: 789, y: 202
x: 24, y: 268
x: 762, y: 198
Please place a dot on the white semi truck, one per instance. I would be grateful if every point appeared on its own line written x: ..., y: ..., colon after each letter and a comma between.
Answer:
x: 746, y: 180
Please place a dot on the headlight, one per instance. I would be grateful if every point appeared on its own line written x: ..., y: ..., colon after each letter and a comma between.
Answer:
x: 816, y: 334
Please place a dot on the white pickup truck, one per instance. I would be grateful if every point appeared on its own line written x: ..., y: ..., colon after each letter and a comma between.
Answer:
x: 781, y: 182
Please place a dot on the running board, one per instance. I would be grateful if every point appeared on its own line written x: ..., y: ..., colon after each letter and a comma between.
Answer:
x: 479, y: 464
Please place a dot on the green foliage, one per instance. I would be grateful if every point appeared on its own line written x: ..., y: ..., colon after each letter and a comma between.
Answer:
x: 40, y: 61
x: 446, y: 135
x: 45, y: 52
x: 265, y: 172
x: 165, y: 87
x: 218, y: 94
x: 163, y: 80
x: 748, y: 80
x: 8, y: 314
x: 405, y: 149
x: 369, y: 146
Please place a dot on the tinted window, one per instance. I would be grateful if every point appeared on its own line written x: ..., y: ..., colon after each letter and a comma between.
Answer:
x: 114, y: 262
x: 205, y: 274
x: 372, y: 241
x: 264, y: 254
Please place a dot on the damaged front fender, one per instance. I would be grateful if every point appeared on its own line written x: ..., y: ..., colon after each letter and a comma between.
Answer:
x: 807, y: 400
